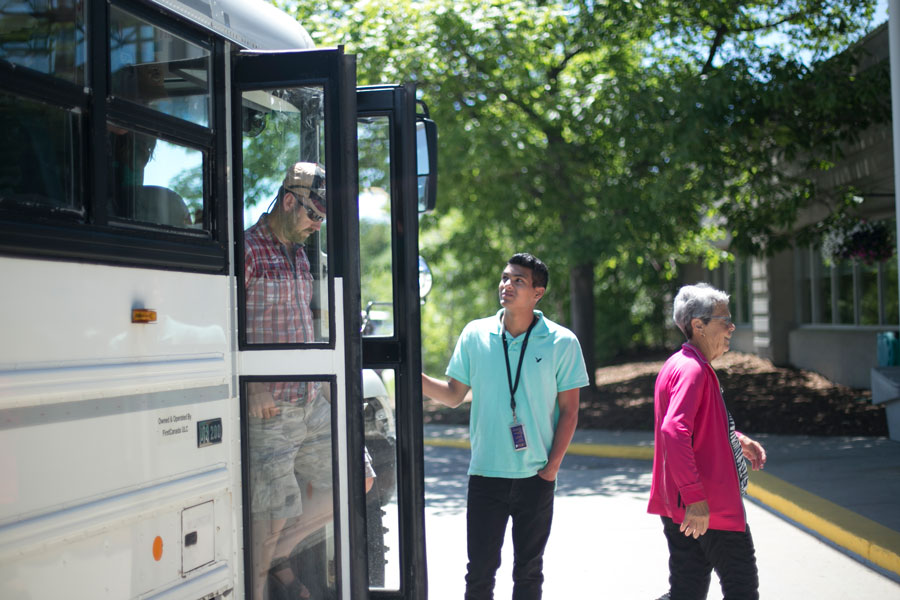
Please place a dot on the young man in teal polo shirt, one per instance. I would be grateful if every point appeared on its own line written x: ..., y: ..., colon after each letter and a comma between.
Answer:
x: 524, y: 371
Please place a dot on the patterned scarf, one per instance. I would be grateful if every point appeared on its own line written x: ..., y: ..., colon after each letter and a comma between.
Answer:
x: 743, y: 475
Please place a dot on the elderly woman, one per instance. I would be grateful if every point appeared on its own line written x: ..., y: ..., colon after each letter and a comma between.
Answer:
x: 699, y: 473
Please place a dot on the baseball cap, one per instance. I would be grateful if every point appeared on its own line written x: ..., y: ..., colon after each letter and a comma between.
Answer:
x: 306, y: 180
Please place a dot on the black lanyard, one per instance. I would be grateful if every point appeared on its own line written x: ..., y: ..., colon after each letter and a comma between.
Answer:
x: 514, y: 386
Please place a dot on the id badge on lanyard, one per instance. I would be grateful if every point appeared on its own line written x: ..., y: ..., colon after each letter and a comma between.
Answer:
x: 518, y: 436
x: 516, y: 429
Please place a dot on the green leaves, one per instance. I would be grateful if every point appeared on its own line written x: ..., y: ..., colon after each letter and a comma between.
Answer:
x: 632, y: 136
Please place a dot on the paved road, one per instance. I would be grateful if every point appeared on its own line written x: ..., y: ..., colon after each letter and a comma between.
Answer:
x: 605, y: 546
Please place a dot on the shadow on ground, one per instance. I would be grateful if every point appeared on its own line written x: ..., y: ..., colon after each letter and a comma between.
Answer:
x: 446, y: 479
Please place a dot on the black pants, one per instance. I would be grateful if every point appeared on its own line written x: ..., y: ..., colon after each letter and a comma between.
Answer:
x: 691, y: 561
x: 491, y: 502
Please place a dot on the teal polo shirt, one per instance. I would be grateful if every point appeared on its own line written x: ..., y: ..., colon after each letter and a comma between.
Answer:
x: 553, y: 363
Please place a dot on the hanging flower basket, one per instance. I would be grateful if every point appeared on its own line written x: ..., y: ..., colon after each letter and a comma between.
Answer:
x: 858, y: 240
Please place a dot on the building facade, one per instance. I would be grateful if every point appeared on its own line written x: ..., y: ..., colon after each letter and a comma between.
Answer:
x: 795, y: 308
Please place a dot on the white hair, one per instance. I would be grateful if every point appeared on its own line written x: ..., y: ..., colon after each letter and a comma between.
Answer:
x: 696, y: 301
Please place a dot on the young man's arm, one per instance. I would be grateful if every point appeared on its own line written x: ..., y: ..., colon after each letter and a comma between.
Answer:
x: 449, y: 393
x: 565, y: 429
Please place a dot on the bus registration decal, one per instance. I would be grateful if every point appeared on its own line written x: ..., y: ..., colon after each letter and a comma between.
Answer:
x: 173, y: 426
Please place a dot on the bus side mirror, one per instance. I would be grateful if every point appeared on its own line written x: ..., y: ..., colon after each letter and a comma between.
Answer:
x: 425, y: 279
x: 426, y: 160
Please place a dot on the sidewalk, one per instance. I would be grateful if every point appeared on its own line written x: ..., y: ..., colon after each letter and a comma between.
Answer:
x: 845, y: 490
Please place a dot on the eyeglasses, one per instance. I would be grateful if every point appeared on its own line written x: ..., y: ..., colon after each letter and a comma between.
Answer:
x: 313, y: 215
x: 725, y: 319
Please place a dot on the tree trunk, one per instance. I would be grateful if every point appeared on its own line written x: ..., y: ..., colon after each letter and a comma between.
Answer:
x: 581, y: 288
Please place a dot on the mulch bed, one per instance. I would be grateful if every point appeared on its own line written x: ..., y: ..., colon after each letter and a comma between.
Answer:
x: 762, y: 398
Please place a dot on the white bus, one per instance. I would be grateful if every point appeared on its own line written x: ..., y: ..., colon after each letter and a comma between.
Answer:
x: 141, y: 141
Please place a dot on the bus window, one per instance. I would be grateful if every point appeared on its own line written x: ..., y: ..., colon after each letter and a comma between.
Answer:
x: 39, y: 161
x: 145, y: 171
x: 153, y: 67
x: 285, y: 206
x: 46, y: 37
x: 376, y: 252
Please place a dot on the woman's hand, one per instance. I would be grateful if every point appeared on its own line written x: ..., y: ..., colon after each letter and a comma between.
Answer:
x: 753, y: 451
x: 696, y: 519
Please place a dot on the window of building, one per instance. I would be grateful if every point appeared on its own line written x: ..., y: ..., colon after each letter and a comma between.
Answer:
x: 847, y: 293
x: 734, y: 279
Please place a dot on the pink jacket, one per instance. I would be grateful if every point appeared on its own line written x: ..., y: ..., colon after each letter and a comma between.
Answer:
x: 692, y: 458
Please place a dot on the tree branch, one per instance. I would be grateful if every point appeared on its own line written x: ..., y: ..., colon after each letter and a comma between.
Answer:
x: 787, y: 19
x: 553, y: 73
x: 723, y: 29
x: 717, y: 41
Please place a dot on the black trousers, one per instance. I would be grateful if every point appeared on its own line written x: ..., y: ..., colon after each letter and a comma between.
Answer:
x: 491, y: 502
x: 691, y: 561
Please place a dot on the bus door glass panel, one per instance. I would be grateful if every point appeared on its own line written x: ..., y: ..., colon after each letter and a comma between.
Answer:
x: 377, y: 290
x: 289, y: 422
x: 40, y: 161
x: 382, y: 513
x: 286, y: 263
x: 154, y: 181
x: 47, y: 37
x: 376, y: 256
x: 290, y: 488
x: 158, y: 69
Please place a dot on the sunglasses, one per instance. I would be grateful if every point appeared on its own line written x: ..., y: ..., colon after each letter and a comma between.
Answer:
x: 727, y: 320
x: 313, y: 215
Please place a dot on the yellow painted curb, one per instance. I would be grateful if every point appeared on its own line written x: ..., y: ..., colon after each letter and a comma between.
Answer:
x: 612, y: 451
x: 596, y: 450
x: 448, y: 443
x: 875, y: 543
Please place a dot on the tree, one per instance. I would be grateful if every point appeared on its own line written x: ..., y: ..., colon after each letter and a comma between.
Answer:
x: 602, y: 136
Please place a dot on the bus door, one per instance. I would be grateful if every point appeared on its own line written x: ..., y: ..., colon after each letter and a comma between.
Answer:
x: 299, y: 359
x: 388, y: 222
x: 332, y: 452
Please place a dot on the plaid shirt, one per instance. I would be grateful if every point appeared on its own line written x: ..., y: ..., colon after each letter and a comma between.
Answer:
x: 279, y: 289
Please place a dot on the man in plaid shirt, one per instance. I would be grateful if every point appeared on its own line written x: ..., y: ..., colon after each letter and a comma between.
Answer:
x: 276, y: 269
x: 277, y: 277
x: 289, y: 422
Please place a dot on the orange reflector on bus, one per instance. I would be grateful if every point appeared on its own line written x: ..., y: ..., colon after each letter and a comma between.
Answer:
x: 143, y: 315
x: 157, y: 549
